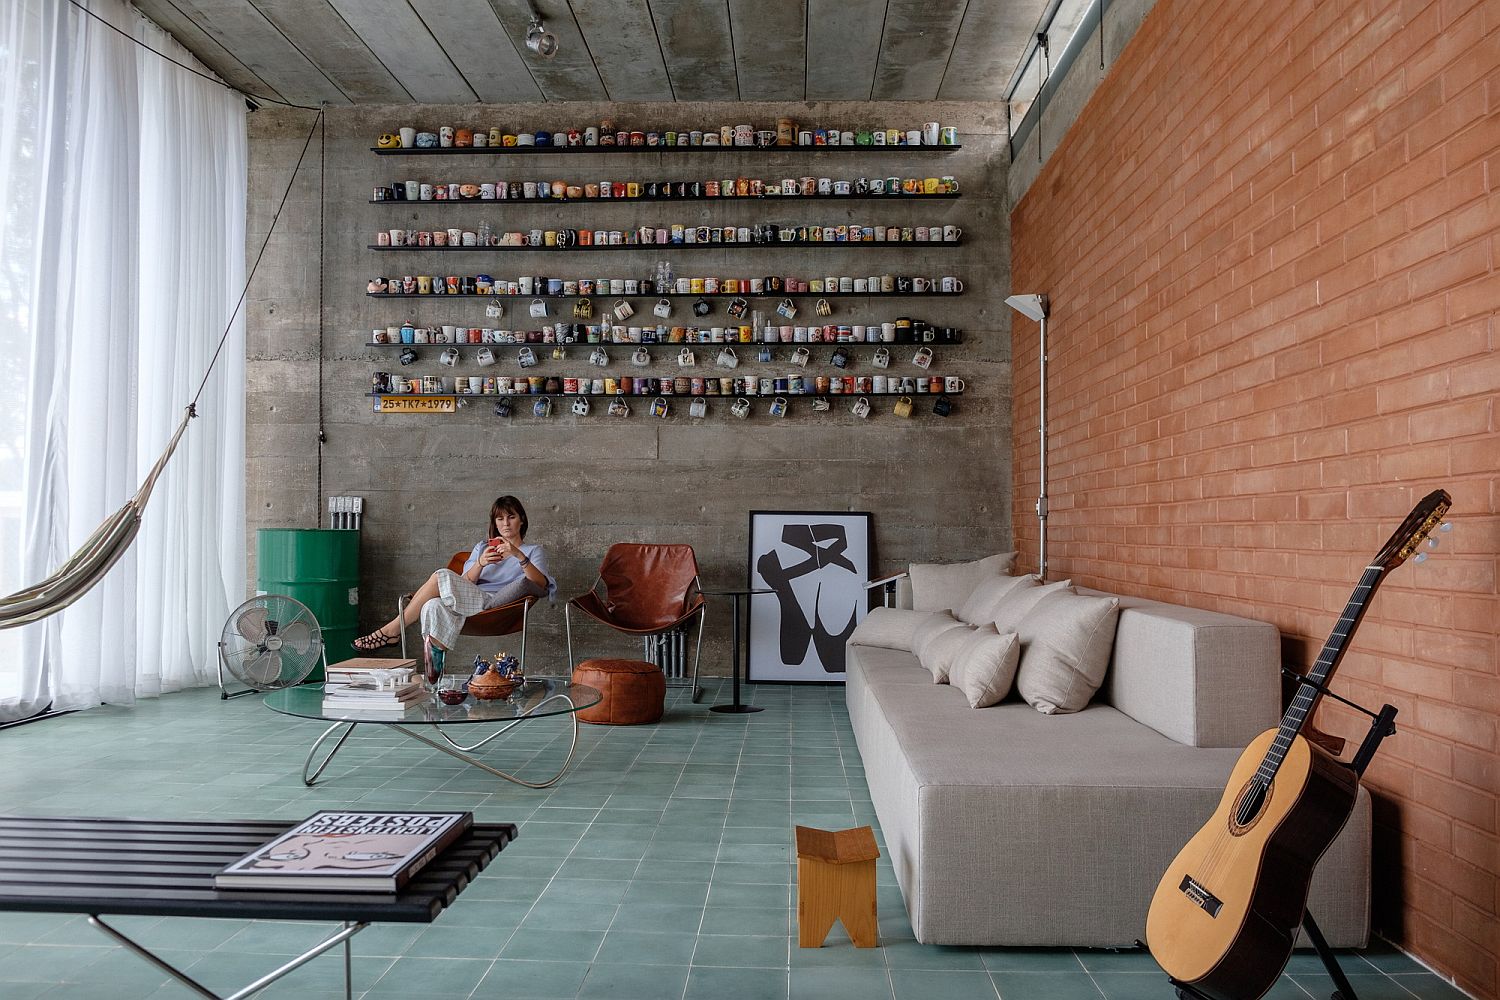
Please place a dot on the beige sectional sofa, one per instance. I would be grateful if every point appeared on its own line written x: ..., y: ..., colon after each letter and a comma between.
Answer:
x: 1010, y: 827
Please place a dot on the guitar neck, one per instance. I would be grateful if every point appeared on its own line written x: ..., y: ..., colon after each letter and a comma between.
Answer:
x: 1308, y: 692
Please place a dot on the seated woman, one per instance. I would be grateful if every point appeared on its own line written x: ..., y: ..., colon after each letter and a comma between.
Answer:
x: 501, y: 569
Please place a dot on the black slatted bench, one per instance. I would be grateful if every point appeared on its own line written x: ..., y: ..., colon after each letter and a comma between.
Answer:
x: 165, y: 868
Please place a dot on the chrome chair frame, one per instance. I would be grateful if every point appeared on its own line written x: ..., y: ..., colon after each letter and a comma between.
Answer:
x: 702, y: 613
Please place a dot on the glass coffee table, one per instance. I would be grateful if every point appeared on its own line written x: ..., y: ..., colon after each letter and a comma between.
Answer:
x: 536, y: 699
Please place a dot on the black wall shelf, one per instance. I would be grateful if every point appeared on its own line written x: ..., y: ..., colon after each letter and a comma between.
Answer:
x: 738, y: 345
x: 765, y: 151
x: 519, y: 297
x: 674, y: 247
x: 749, y: 198
x: 671, y: 395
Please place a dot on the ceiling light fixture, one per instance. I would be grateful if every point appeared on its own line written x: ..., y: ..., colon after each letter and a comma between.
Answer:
x: 539, y: 39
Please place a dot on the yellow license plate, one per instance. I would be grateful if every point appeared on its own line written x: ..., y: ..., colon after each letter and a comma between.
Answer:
x: 416, y: 404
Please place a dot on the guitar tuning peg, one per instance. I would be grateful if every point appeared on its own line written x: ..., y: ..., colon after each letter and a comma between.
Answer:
x: 1421, y: 557
x: 1432, y: 543
x: 1446, y: 527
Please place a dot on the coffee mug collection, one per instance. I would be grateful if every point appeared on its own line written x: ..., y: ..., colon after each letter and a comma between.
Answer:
x: 667, y: 235
x: 788, y: 132
x: 901, y: 330
x: 844, y: 284
x: 605, y: 190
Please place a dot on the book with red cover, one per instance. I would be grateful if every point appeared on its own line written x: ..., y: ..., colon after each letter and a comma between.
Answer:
x: 342, y: 851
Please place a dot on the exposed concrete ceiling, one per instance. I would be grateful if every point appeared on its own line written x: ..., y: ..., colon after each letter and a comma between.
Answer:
x: 460, y: 51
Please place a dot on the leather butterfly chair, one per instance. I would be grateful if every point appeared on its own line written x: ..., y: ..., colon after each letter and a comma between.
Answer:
x: 507, y: 619
x: 648, y: 590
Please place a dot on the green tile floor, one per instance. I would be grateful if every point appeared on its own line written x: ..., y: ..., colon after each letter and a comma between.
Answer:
x: 661, y: 866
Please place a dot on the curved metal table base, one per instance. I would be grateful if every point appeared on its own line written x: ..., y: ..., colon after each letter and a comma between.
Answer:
x: 453, y: 749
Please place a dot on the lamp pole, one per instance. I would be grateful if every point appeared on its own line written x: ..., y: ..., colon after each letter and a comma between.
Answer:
x: 1037, y: 307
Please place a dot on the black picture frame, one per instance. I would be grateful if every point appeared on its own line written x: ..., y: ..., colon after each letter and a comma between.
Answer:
x: 814, y: 644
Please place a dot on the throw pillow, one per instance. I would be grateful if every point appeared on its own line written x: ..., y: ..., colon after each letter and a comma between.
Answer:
x: 888, y: 627
x: 1066, y: 641
x: 938, y: 586
x: 979, y: 609
x: 986, y: 666
x: 1016, y: 605
x: 940, y: 652
x: 932, y: 625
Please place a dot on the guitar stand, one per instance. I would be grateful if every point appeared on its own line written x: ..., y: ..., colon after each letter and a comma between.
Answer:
x: 1382, y: 725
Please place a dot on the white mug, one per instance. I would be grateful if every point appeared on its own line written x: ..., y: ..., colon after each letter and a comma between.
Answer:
x: 861, y: 407
x: 728, y: 359
x: 779, y: 406
x: 618, y: 407
x: 623, y: 309
x: 698, y: 407
x: 953, y: 384
x: 663, y: 308
x: 538, y: 308
x: 952, y: 234
x: 929, y: 133
x: 952, y: 285
x: 581, y: 406
x: 801, y: 356
x: 686, y: 358
x: 741, y: 408
x: 527, y: 358
x: 599, y: 356
x: 542, y: 407
x: 641, y: 357
x: 923, y: 358
x: 485, y: 357
x: 449, y: 357
x: 881, y: 358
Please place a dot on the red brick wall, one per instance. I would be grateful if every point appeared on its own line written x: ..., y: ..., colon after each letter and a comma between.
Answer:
x: 1271, y: 243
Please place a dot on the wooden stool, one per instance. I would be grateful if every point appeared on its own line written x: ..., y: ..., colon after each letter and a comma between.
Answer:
x: 634, y: 691
x: 836, y: 881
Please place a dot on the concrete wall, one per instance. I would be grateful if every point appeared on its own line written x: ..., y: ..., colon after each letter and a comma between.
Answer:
x: 1073, y: 89
x: 939, y: 488
x: 1271, y: 245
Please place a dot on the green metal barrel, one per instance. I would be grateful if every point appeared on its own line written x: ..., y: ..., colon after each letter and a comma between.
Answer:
x: 320, y: 568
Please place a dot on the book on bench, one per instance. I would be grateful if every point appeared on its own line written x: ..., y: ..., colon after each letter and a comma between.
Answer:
x: 342, y: 851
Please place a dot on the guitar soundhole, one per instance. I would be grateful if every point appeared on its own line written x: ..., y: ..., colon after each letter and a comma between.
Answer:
x: 1250, y: 805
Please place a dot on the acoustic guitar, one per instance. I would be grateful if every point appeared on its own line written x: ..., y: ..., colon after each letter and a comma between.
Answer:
x: 1226, y: 913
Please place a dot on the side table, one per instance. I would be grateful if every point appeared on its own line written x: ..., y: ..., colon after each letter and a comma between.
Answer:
x: 736, y: 596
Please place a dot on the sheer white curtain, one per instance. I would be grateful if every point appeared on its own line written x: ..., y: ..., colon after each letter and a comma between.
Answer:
x: 122, y: 183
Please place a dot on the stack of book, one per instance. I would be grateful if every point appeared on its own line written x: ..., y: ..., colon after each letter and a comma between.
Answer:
x: 348, y: 851
x: 366, y: 684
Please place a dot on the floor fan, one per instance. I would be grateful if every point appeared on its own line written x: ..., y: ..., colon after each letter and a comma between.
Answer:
x: 270, y: 642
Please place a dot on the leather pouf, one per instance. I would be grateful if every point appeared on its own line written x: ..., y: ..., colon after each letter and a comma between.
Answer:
x: 635, y: 692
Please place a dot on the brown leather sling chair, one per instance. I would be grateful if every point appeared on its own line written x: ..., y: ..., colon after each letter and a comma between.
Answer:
x: 507, y: 619
x: 648, y: 590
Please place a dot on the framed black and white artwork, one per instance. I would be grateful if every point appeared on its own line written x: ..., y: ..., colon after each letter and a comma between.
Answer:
x: 815, y: 563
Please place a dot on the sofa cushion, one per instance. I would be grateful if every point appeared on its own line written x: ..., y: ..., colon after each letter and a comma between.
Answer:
x: 1017, y: 604
x: 979, y: 609
x: 934, y: 623
x: 942, y: 586
x: 888, y: 627
x: 1066, y: 641
x: 986, y: 666
x: 941, y: 652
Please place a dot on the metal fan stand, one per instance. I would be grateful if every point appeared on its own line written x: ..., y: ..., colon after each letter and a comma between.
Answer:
x: 225, y: 694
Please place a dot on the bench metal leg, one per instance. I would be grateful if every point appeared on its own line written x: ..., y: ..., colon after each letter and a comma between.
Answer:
x: 341, y: 936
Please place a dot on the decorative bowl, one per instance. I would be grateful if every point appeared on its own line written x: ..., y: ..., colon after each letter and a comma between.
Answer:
x: 490, y: 685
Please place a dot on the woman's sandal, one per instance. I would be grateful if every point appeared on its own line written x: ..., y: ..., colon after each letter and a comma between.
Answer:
x: 377, y: 639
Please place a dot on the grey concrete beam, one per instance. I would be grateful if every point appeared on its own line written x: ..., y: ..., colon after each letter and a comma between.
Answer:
x: 242, y: 29
x: 914, y: 49
x: 488, y: 57
x: 394, y: 32
x: 989, y: 43
x: 329, y: 43
x: 622, y: 39
x: 571, y: 74
x: 770, y: 49
x: 697, y: 47
x: 843, y: 48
